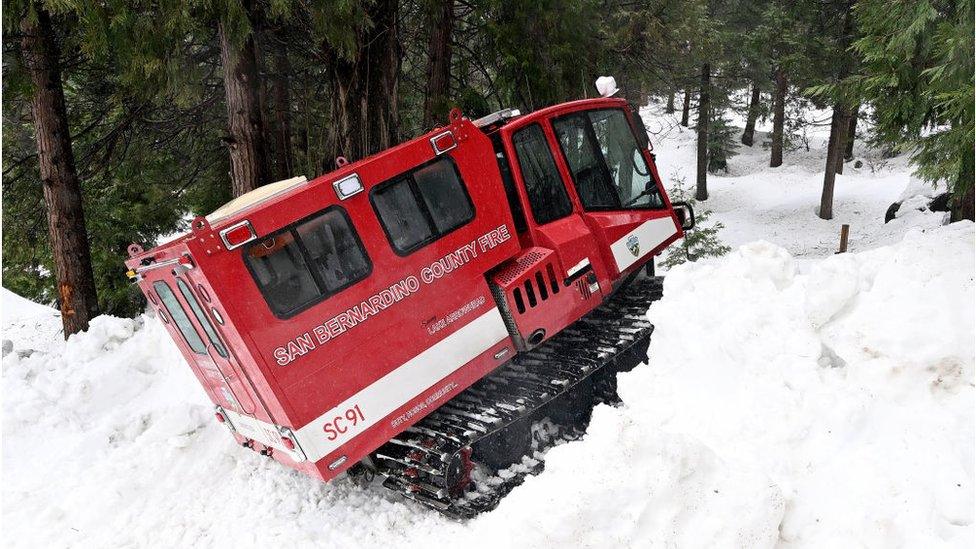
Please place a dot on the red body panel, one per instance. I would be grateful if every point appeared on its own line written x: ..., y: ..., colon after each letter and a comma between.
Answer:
x: 341, y: 397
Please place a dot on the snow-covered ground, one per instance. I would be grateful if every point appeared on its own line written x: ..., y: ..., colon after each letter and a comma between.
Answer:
x: 756, y: 202
x: 794, y: 398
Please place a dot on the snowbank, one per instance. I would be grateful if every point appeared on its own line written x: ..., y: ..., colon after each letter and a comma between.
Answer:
x: 17, y: 308
x: 850, y: 388
x: 32, y: 325
x: 780, y: 409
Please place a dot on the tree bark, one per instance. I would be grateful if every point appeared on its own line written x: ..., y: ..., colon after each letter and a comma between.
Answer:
x: 748, y: 134
x: 62, y: 189
x: 248, y: 151
x: 845, y: 123
x: 282, y: 158
x: 779, y: 118
x: 964, y: 207
x: 685, y: 107
x: 835, y: 148
x: 701, y: 187
x: 365, y: 89
x: 964, y: 201
x: 669, y: 108
x: 851, y: 131
x: 437, y: 100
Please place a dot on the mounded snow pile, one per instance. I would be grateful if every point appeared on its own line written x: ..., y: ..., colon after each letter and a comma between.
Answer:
x: 833, y: 408
x: 851, y: 388
x: 628, y: 484
x: 34, y: 324
x: 110, y: 441
x: 16, y: 308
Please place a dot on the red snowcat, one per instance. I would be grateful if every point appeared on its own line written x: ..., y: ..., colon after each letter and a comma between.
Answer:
x: 437, y: 313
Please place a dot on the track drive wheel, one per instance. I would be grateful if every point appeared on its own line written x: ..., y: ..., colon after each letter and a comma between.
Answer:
x: 458, y: 475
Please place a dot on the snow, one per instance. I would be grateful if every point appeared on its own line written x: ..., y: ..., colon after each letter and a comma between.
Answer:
x: 36, y: 326
x: 795, y: 398
x: 850, y: 387
x: 756, y: 202
x: 16, y: 308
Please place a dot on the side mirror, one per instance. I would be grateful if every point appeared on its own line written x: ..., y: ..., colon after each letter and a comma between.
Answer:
x: 686, y: 215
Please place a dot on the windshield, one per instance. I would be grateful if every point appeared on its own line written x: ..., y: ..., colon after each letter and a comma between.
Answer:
x: 607, y: 165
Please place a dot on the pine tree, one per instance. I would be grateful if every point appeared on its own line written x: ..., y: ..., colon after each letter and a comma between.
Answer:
x: 752, y: 114
x: 918, y: 74
x: 437, y: 96
x: 702, y: 241
x: 249, y: 159
x: 838, y: 63
x: 67, y: 231
x: 783, y: 46
x: 364, y: 81
x: 145, y: 138
x: 721, y: 134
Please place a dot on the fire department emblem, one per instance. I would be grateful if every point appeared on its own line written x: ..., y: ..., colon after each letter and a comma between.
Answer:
x: 633, y: 244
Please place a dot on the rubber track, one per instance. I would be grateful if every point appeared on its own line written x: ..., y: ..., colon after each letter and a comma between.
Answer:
x: 416, y: 462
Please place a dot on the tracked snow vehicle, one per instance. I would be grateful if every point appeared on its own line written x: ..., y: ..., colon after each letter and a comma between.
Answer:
x: 415, y: 313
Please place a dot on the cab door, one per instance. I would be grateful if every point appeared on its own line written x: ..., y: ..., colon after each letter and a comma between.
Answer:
x: 554, y: 223
x: 617, y: 185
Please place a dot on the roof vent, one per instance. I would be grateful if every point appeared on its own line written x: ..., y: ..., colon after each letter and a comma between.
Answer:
x: 257, y: 196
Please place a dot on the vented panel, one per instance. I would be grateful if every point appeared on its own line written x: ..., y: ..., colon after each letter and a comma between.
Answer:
x: 513, y: 272
x: 530, y: 279
x: 536, y: 289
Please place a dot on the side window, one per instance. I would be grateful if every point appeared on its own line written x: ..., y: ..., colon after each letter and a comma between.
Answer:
x: 307, y: 262
x: 420, y: 206
x: 399, y: 211
x: 202, y: 318
x: 333, y: 251
x: 547, y: 195
x: 443, y: 195
x: 179, y: 317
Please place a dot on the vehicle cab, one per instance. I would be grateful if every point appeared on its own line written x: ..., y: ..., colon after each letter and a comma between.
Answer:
x: 586, y: 196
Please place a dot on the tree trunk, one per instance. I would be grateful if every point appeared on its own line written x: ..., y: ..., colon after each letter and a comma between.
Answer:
x: 701, y: 187
x: 248, y: 151
x: 749, y: 132
x: 779, y: 118
x: 845, y: 125
x: 62, y: 190
x: 669, y: 109
x: 365, y: 89
x: 685, y: 107
x: 282, y: 159
x: 851, y: 131
x: 964, y: 202
x: 437, y: 100
x: 835, y: 149
x: 964, y: 207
